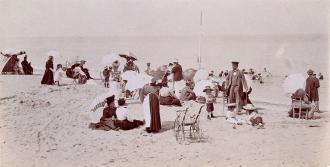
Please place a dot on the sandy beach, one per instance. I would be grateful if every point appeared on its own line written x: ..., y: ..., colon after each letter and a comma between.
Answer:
x: 48, y: 126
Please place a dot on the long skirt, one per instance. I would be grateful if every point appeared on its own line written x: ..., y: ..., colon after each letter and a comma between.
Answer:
x: 48, y: 77
x: 128, y: 125
x: 151, y: 112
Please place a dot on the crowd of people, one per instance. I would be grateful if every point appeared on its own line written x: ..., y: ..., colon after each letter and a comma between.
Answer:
x: 12, y: 66
x: 167, y: 91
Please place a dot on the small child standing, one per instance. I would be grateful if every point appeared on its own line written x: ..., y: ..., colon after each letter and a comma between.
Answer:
x: 106, y: 75
x: 58, y: 74
x: 210, y: 99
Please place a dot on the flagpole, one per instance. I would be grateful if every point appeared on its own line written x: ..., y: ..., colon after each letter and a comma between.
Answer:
x: 199, y: 41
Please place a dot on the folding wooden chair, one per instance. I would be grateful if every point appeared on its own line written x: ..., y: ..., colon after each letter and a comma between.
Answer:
x: 297, y: 105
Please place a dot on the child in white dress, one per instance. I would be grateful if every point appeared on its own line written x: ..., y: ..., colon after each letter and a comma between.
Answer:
x: 58, y: 74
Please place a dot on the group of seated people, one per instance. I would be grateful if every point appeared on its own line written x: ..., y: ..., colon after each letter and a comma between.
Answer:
x: 78, y: 72
x: 115, y: 118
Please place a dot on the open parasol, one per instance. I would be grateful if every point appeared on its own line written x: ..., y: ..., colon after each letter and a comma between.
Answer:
x: 128, y: 55
x: 294, y: 82
x: 200, y: 86
x: 201, y: 75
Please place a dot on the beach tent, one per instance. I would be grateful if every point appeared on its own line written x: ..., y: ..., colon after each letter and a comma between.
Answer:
x: 8, y: 61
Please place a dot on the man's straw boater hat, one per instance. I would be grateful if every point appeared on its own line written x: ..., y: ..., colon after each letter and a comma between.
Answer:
x: 235, y: 62
x: 207, y: 88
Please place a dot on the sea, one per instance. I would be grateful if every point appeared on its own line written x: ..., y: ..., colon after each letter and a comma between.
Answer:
x: 280, y: 54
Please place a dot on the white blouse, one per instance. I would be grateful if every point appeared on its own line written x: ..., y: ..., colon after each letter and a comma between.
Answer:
x: 122, y: 113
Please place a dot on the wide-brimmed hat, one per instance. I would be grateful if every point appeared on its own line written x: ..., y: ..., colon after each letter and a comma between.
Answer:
x: 249, y: 107
x: 110, y: 99
x: 207, y: 88
x: 310, y: 72
x: 235, y: 62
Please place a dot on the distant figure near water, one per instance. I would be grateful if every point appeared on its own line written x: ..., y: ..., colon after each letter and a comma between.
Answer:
x: 48, y: 77
x: 27, y: 68
x: 148, y: 70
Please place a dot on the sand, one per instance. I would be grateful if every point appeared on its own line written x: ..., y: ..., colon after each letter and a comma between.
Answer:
x: 48, y: 126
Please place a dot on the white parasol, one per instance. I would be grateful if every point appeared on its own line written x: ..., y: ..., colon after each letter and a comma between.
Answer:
x: 127, y: 75
x: 201, y: 75
x: 107, y: 60
x: 294, y: 82
x: 200, y: 86
x: 248, y: 80
x: 137, y: 81
x: 100, y: 101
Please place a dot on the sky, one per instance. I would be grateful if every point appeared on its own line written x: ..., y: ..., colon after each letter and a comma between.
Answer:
x: 70, y: 18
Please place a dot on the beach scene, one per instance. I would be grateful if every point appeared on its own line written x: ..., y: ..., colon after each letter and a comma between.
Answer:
x: 175, y: 83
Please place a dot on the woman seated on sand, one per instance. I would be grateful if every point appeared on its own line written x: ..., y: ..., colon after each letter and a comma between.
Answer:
x: 123, y: 119
x: 107, y: 121
x: 167, y: 96
x: 187, y: 92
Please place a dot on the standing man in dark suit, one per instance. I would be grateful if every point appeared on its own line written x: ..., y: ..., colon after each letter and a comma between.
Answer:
x: 235, y: 84
x: 312, y: 85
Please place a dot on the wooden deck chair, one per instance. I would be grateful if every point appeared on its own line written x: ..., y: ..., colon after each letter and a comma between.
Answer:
x: 297, y: 105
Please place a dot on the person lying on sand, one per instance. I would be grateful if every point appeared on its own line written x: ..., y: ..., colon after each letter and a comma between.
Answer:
x: 252, y: 117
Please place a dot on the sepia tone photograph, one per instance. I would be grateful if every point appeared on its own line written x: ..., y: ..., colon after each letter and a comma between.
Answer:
x: 138, y: 83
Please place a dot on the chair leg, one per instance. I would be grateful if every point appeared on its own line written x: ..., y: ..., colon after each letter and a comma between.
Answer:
x: 300, y: 109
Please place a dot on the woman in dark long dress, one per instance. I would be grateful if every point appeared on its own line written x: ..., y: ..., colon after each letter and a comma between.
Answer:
x: 48, y: 77
x: 151, y: 110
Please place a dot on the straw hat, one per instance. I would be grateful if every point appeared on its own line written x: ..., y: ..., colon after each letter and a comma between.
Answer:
x: 235, y: 62
x: 110, y: 99
x: 207, y: 88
